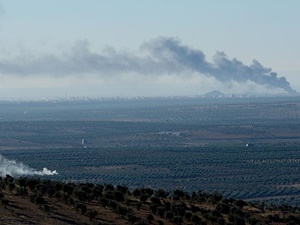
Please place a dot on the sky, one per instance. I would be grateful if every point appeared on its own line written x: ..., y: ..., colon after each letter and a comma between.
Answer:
x: 93, y: 48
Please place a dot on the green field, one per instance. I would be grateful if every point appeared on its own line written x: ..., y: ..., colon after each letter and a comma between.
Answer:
x: 191, y: 144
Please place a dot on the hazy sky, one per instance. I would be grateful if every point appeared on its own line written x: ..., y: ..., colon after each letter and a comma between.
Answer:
x: 148, y: 48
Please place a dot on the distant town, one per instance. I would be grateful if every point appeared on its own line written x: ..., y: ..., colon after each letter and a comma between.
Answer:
x: 210, y: 95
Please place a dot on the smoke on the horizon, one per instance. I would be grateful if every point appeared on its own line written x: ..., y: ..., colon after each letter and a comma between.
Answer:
x: 161, y: 56
x: 222, y: 68
x: 13, y: 168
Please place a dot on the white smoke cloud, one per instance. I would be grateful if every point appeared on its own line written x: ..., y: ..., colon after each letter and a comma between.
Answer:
x: 15, y: 168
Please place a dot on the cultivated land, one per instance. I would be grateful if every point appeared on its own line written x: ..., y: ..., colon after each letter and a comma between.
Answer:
x: 188, y: 143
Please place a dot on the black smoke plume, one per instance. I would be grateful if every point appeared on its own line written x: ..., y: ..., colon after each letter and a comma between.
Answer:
x: 158, y: 57
x: 222, y: 68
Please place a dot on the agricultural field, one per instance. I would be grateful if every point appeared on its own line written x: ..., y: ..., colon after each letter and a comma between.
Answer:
x: 245, y: 148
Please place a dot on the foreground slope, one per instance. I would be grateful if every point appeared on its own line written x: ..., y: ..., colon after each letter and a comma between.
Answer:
x: 34, y: 201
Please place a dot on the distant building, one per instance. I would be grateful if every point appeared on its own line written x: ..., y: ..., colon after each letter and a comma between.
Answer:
x: 173, y: 133
x: 249, y: 145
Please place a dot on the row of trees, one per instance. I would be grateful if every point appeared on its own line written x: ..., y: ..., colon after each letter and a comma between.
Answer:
x: 178, y: 207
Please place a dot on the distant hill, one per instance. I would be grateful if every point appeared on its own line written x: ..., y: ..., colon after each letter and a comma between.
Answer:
x: 214, y: 94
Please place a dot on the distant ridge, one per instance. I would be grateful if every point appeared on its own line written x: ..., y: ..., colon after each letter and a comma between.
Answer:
x: 214, y: 94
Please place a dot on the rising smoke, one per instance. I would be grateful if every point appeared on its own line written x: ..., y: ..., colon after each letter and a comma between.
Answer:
x: 14, y: 168
x: 222, y: 68
x: 162, y: 56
